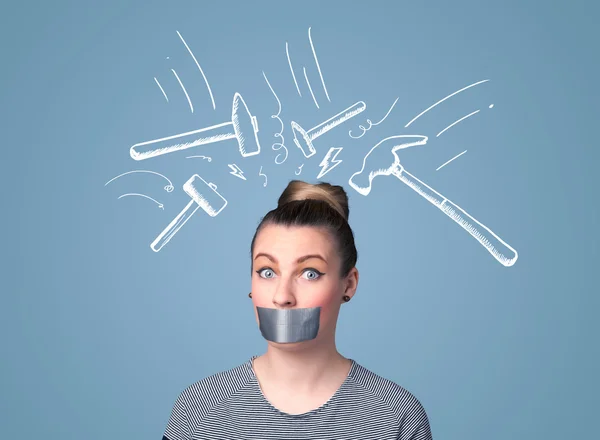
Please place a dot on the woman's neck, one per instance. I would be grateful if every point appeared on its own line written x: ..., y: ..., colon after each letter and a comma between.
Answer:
x: 302, y: 369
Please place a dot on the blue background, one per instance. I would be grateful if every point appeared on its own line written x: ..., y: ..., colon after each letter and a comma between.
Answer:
x: 100, y: 333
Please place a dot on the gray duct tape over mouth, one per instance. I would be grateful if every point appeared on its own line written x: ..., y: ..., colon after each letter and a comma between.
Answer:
x: 289, y: 325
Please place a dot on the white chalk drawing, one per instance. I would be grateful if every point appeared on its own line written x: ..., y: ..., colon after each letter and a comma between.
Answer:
x: 318, y: 66
x: 277, y: 145
x: 446, y: 163
x: 443, y: 99
x: 491, y: 106
x: 242, y: 126
x: 168, y: 188
x: 184, y: 90
x: 204, y: 195
x: 236, y: 171
x: 303, y: 138
x: 383, y: 159
x: 329, y: 162
x: 160, y: 205
x: 299, y: 170
x: 161, y: 89
x: 457, y: 121
x: 310, y: 88
x: 371, y: 124
x: 200, y: 69
x: 208, y: 158
x: 260, y: 173
x: 287, y: 52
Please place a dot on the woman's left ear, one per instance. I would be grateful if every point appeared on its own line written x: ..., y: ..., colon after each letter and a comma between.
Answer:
x: 351, y: 282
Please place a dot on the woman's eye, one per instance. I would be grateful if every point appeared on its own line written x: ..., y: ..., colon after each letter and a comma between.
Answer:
x: 266, y: 273
x: 311, y: 274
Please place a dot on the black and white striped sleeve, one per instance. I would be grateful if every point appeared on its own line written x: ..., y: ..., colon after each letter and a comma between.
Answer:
x: 178, y: 427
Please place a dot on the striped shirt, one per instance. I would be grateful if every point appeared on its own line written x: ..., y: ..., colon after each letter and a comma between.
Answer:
x: 230, y: 406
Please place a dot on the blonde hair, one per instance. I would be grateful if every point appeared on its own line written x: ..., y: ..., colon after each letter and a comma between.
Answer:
x: 334, y: 195
x: 315, y: 205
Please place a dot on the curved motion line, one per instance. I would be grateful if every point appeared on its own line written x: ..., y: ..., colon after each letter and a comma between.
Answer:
x: 310, y: 88
x: 161, y: 89
x: 457, y: 121
x: 281, y: 144
x: 201, y: 71
x: 291, y: 68
x: 260, y: 173
x: 447, y: 162
x: 168, y: 188
x: 184, y: 90
x: 160, y: 205
x: 201, y: 157
x: 442, y: 100
x: 371, y: 124
x: 317, y: 63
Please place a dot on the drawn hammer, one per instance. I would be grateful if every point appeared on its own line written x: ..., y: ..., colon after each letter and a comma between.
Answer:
x: 243, y: 127
x: 204, y: 195
x: 378, y: 161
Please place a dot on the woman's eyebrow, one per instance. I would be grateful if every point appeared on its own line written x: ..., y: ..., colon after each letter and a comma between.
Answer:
x: 263, y: 254
x: 299, y: 260
x: 308, y: 257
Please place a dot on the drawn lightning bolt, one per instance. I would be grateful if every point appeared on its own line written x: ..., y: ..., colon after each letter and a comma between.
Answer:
x: 236, y: 171
x: 328, y: 163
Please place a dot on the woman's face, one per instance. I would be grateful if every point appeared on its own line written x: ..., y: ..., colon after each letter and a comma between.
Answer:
x: 299, y: 267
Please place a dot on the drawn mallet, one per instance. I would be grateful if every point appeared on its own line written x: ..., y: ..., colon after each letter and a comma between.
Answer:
x: 378, y: 161
x: 204, y: 195
x: 303, y: 138
x: 243, y: 127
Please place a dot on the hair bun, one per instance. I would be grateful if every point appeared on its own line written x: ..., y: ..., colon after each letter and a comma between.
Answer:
x: 334, y: 195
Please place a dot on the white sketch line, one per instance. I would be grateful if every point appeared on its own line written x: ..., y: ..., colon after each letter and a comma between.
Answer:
x: 204, y: 195
x: 383, y: 159
x: 371, y: 124
x: 236, y: 171
x: 491, y: 106
x: 184, y: 90
x: 160, y: 205
x: 201, y: 71
x: 446, y: 163
x: 329, y: 162
x: 260, y: 173
x: 241, y: 128
x: 456, y: 122
x: 310, y: 88
x: 291, y: 68
x: 317, y: 63
x: 168, y: 188
x: 277, y: 145
x: 299, y: 170
x: 442, y: 100
x: 161, y: 89
x: 303, y: 138
x: 200, y: 156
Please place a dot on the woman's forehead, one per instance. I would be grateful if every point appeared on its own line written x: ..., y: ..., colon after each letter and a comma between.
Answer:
x: 294, y: 241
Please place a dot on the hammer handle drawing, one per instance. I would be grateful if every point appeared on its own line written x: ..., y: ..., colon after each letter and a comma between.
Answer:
x: 204, y: 195
x: 176, y: 224
x: 503, y: 252
x: 183, y: 141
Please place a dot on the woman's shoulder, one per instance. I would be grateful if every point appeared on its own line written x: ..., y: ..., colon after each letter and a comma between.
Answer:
x: 218, y: 386
x: 398, y: 398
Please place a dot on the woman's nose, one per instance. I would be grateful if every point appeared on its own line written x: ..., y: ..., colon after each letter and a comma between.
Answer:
x: 284, y: 295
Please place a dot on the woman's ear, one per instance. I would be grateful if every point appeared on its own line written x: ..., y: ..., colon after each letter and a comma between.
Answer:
x: 351, y: 282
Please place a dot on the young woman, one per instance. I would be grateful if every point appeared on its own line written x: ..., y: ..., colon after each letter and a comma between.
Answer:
x: 301, y: 388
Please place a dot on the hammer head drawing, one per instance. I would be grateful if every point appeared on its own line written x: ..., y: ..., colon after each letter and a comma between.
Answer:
x: 205, y: 195
x: 382, y: 159
x: 303, y: 140
x: 245, y: 127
